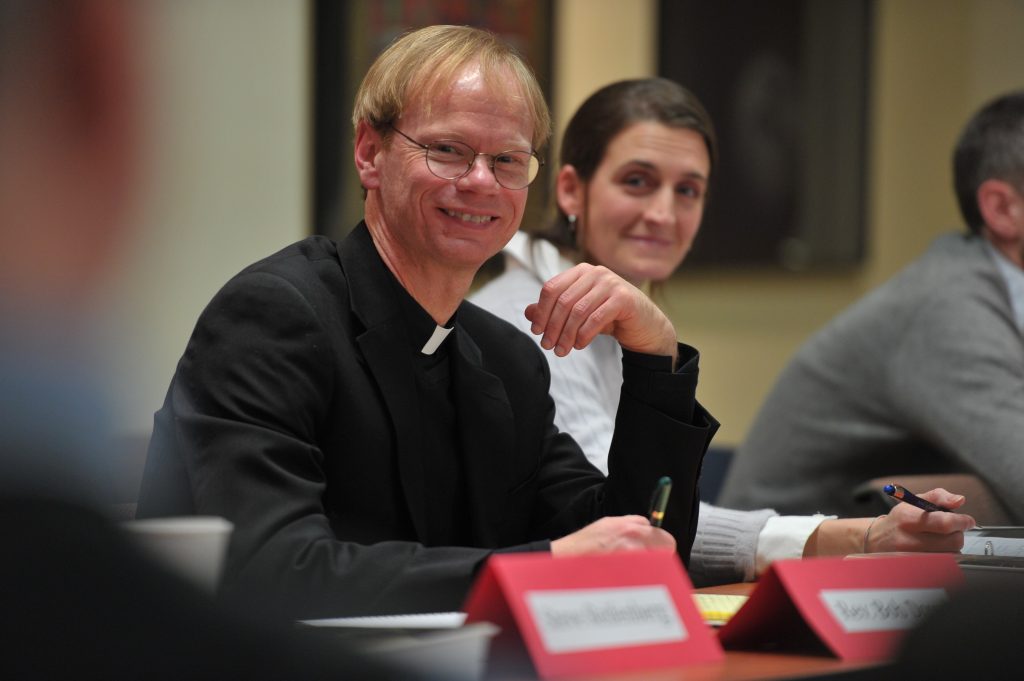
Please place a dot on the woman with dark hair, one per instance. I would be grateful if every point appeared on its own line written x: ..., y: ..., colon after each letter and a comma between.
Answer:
x: 637, y: 159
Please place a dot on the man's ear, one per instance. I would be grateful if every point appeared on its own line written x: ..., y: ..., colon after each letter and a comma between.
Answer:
x: 1002, y: 209
x: 569, y: 191
x: 368, y: 146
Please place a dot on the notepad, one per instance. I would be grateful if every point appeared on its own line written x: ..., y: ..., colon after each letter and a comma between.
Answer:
x: 717, y: 609
x: 426, y: 620
x: 438, y: 642
x: 994, y: 541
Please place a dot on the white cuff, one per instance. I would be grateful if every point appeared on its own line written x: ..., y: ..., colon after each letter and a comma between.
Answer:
x: 785, y: 536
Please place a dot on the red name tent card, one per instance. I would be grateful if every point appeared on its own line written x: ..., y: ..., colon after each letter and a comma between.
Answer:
x: 859, y: 608
x: 592, y: 614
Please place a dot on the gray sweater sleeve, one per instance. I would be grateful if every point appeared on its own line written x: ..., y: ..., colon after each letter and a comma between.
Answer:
x: 725, y: 548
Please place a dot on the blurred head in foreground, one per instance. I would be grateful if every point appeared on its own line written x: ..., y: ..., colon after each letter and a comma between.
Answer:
x: 69, y: 152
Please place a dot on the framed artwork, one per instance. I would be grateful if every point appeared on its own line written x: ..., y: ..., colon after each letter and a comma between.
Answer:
x: 786, y: 84
x: 348, y: 36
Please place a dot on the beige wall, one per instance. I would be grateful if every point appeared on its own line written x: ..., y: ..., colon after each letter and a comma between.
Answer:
x: 597, y: 42
x: 230, y: 170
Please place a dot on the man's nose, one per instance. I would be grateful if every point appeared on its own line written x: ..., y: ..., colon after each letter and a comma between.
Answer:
x: 481, y: 175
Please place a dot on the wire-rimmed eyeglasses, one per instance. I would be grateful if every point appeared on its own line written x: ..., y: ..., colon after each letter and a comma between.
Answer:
x: 451, y: 159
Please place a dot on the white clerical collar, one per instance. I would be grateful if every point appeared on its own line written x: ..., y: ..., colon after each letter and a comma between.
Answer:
x: 436, y: 338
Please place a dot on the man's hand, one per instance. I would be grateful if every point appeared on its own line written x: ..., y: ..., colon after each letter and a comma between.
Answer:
x: 614, y: 533
x: 586, y: 300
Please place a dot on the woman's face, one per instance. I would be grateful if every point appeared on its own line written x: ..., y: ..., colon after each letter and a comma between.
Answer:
x: 640, y: 211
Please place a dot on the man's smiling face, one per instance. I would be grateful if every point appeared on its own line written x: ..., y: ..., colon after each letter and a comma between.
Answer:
x: 454, y: 223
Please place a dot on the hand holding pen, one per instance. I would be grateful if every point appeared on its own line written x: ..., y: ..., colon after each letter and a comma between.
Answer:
x: 622, y: 533
x: 909, y: 527
x: 902, y: 494
x: 614, y: 533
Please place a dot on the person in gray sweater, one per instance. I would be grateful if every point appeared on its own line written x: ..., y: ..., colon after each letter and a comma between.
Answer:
x: 636, y: 162
x: 923, y: 375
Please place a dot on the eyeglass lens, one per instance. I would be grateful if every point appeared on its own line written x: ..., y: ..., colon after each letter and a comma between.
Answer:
x: 513, y: 169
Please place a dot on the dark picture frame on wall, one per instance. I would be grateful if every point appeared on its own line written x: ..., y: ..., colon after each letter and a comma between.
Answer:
x: 786, y: 83
x: 348, y: 36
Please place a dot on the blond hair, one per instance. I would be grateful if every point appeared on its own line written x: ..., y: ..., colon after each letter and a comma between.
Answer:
x: 431, y: 57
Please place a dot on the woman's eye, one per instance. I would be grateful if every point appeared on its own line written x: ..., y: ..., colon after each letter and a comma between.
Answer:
x: 690, y: 191
x: 636, y: 181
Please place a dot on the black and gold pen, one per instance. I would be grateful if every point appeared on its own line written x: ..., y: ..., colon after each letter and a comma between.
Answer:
x: 659, y: 500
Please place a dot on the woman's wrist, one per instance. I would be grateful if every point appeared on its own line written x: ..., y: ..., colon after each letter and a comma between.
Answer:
x: 839, y: 537
x: 867, y: 534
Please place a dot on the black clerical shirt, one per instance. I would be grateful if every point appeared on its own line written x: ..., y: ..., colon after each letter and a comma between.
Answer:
x: 438, y: 423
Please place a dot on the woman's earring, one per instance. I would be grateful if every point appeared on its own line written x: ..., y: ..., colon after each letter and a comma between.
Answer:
x: 572, y: 224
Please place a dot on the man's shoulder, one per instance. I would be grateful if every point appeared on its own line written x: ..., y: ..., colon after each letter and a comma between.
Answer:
x: 306, y: 265
x: 303, y: 255
x: 953, y: 262
x: 306, y: 270
x: 942, y: 285
x: 961, y: 248
x: 956, y: 267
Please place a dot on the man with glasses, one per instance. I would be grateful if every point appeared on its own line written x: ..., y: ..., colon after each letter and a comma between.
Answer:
x: 373, y: 437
